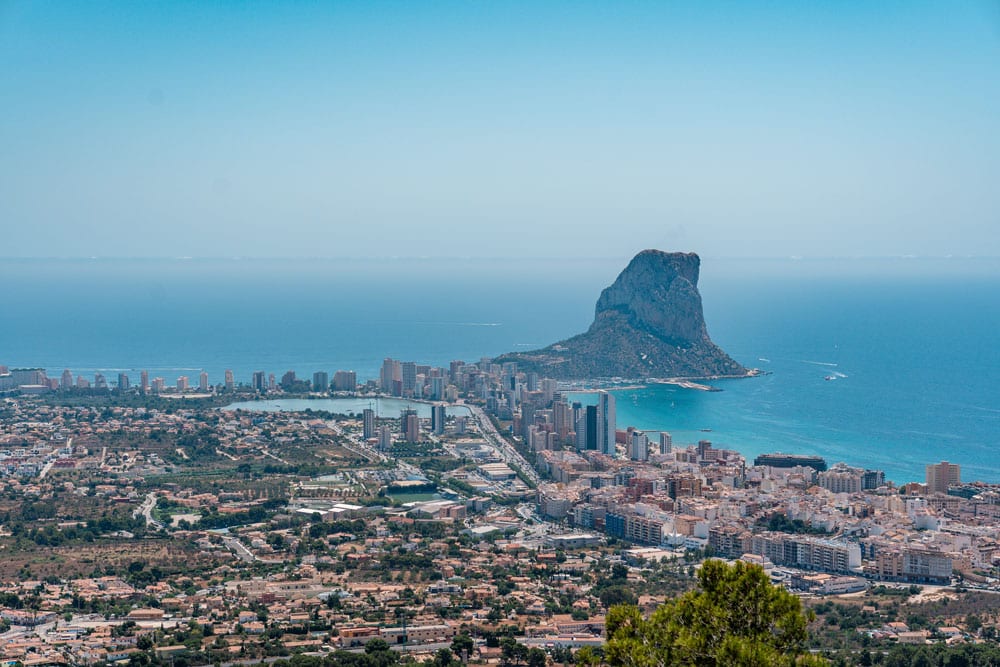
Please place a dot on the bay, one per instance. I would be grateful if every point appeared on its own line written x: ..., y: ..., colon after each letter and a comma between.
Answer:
x: 911, y: 344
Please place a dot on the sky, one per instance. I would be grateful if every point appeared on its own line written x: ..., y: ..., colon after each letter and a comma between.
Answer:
x: 499, y: 129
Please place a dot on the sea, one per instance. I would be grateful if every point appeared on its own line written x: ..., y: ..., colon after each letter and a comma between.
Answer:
x: 885, y: 363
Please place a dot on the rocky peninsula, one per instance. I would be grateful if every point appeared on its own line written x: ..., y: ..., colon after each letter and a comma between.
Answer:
x: 648, y: 324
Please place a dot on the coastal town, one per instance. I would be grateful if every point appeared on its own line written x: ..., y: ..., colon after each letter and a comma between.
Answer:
x: 472, y: 513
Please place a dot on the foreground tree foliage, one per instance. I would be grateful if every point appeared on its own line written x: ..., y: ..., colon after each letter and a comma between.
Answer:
x: 736, y: 618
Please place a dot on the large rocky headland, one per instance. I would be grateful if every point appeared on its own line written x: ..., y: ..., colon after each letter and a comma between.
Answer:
x: 648, y: 324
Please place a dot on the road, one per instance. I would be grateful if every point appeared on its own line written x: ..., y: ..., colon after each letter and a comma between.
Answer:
x: 239, y: 549
x: 402, y: 648
x: 575, y: 641
x: 356, y: 445
x: 507, y: 451
x: 267, y: 452
x: 146, y: 510
x: 48, y: 466
x: 45, y: 469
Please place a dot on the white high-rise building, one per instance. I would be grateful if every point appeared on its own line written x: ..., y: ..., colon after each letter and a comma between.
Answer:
x: 549, y: 388
x: 203, y: 381
x: 384, y: 438
x: 841, y: 479
x: 639, y: 447
x: 666, y: 443
x: 437, y: 388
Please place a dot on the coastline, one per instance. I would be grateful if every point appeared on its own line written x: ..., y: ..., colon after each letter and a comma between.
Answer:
x: 747, y: 443
x: 685, y: 382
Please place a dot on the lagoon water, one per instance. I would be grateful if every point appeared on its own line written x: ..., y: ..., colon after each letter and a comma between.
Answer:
x: 911, y: 345
x: 383, y: 407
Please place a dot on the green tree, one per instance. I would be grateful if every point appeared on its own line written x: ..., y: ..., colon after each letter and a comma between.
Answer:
x: 736, y: 618
x: 617, y: 595
x: 462, y: 645
x: 443, y: 658
x: 511, y: 652
x: 376, y: 645
x: 536, y: 657
x: 973, y: 623
x: 587, y: 656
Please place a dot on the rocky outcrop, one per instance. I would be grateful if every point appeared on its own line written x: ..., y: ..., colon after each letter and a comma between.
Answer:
x: 648, y: 324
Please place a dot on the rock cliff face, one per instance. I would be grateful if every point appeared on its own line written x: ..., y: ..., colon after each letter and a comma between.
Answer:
x: 648, y: 324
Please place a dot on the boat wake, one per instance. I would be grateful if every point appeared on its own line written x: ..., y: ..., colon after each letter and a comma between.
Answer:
x: 820, y: 363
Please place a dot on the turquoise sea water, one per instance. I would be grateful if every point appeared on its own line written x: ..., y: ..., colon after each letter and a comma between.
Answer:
x: 912, y: 345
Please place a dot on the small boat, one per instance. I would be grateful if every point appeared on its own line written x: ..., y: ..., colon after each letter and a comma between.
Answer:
x: 830, y: 377
x: 706, y: 430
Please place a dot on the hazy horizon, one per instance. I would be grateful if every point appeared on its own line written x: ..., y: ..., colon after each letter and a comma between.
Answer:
x: 459, y: 257
x: 31, y: 274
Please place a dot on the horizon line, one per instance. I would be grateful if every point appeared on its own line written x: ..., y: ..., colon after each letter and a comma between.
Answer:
x: 368, y: 258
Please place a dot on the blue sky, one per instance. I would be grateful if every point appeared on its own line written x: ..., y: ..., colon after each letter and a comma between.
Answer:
x: 499, y: 129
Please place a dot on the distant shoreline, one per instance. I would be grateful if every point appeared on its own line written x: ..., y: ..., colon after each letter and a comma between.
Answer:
x: 593, y: 386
